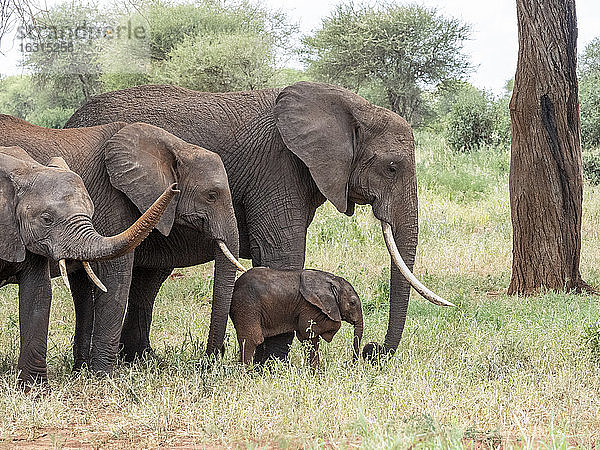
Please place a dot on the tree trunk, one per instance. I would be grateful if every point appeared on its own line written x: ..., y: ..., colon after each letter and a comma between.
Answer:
x: 545, y: 170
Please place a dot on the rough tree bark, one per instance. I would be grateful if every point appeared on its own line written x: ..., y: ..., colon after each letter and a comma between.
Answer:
x: 545, y: 169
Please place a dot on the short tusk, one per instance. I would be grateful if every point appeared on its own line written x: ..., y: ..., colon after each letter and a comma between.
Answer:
x: 62, y: 265
x: 416, y: 284
x: 230, y: 256
x: 93, y: 277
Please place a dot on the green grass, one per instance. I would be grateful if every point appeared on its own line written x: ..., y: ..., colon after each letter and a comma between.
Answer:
x: 496, y: 370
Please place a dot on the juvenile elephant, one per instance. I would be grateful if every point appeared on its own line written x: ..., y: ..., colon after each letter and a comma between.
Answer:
x: 46, y: 212
x: 124, y: 167
x: 268, y: 302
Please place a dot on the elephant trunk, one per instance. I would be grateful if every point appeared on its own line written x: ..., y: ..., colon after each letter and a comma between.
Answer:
x: 89, y: 245
x: 358, y: 334
x: 97, y: 247
x: 226, y: 264
x: 401, y: 280
x: 406, y: 272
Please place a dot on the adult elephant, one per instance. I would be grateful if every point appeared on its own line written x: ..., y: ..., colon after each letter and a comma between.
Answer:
x: 124, y: 167
x: 46, y: 214
x: 286, y: 151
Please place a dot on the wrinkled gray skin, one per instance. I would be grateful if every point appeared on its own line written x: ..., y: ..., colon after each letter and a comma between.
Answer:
x: 46, y: 212
x: 268, y: 302
x: 286, y: 151
x: 124, y: 168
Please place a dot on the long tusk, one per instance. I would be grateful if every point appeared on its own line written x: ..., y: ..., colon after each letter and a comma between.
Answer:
x: 93, y: 277
x: 62, y: 265
x: 416, y: 284
x: 230, y: 256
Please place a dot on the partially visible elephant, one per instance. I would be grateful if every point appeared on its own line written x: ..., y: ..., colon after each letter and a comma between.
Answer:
x: 46, y: 213
x: 286, y: 151
x: 124, y: 167
x: 312, y: 303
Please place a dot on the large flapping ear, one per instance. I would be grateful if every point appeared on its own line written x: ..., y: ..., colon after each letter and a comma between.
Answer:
x: 18, y: 153
x: 141, y: 162
x: 316, y: 288
x: 13, y: 161
x: 316, y: 123
x: 58, y: 162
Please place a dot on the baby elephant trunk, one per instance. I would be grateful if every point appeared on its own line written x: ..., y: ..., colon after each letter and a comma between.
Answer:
x: 358, y: 334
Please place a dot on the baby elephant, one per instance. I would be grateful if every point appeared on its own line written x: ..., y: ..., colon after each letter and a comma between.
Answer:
x: 268, y: 302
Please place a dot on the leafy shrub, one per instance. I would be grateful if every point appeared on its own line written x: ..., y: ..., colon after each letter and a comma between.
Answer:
x: 591, y: 165
x: 502, y: 131
x: 471, y: 121
x: 50, y: 117
x: 589, y: 97
x: 220, y: 63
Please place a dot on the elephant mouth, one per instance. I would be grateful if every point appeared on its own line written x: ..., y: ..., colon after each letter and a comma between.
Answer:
x: 62, y: 265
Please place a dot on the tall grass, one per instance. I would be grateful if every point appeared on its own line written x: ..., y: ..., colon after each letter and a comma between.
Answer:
x: 496, y: 370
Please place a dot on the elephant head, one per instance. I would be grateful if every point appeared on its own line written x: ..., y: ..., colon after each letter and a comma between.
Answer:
x: 335, y: 297
x: 358, y: 153
x: 142, y: 159
x: 47, y: 210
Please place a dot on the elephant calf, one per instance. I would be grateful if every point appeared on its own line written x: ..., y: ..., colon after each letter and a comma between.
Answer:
x: 268, y: 302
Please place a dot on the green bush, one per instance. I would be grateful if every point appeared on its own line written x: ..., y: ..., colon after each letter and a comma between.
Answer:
x: 589, y: 98
x: 591, y: 165
x: 502, y: 131
x: 50, y: 117
x: 220, y: 63
x: 471, y: 121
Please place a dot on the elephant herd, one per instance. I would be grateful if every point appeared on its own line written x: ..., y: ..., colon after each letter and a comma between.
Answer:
x: 150, y: 178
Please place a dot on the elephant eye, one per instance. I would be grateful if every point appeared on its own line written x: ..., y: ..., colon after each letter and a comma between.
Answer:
x: 212, y: 196
x: 47, y: 218
x: 392, y: 167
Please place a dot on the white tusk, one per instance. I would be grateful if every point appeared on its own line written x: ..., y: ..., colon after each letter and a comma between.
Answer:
x: 230, y: 256
x: 93, y: 277
x: 62, y: 265
x: 416, y: 284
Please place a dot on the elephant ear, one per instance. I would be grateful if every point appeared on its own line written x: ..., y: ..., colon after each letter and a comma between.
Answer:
x: 316, y: 123
x: 316, y: 288
x: 12, y: 248
x: 141, y: 162
x: 58, y: 163
x: 19, y: 154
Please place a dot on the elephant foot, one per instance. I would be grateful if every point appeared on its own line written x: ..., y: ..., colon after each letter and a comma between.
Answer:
x: 36, y: 384
x: 39, y: 389
x: 79, y: 364
x: 142, y: 354
x: 375, y: 352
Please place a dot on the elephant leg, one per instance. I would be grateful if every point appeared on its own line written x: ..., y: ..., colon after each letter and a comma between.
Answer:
x: 109, y: 311
x: 35, y: 293
x: 135, y: 336
x: 247, y: 349
x: 83, y: 298
x: 313, y: 353
x: 274, y: 347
